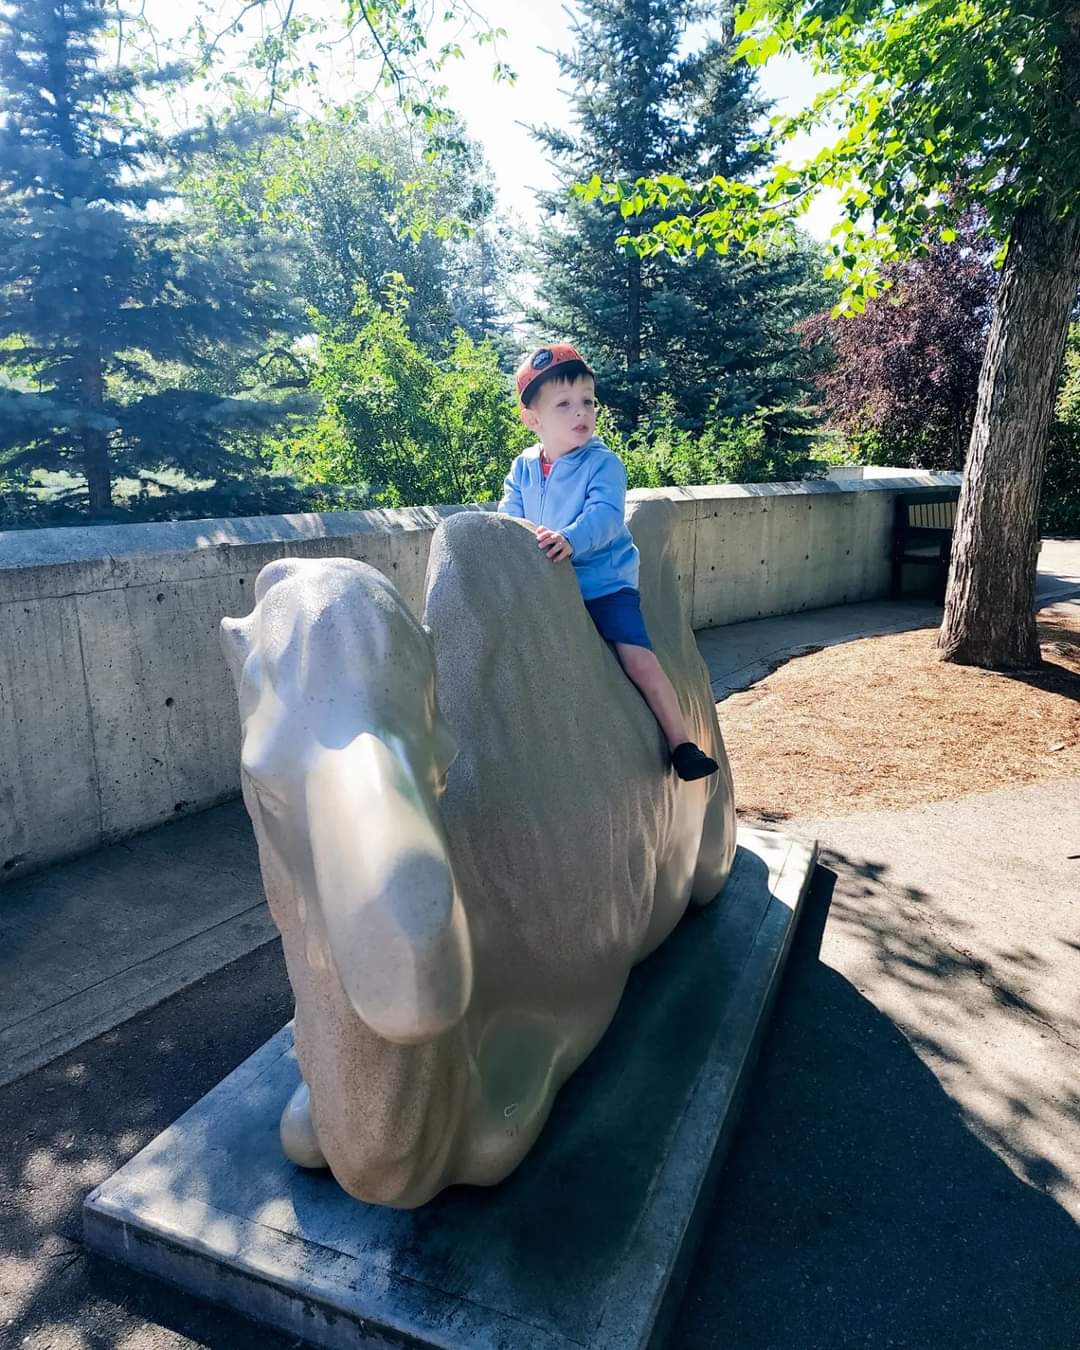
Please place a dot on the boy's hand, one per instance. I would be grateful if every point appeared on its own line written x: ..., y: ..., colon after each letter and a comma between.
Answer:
x: 556, y: 546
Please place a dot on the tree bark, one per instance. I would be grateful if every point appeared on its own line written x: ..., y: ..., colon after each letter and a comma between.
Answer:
x: 989, y: 608
x: 633, y: 334
x: 990, y: 604
x: 96, y: 466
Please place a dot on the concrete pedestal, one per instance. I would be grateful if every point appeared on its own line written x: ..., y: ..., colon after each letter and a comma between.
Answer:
x: 587, y: 1244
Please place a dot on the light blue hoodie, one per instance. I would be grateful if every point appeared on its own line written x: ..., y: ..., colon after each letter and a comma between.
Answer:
x: 584, y: 499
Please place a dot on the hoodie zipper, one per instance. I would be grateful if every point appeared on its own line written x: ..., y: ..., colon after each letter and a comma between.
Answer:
x: 544, y: 477
x: 543, y: 486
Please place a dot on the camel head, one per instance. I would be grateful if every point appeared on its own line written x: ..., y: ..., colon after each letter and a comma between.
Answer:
x: 344, y: 756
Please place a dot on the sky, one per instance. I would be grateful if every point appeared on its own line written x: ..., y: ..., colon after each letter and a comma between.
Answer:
x: 498, y: 114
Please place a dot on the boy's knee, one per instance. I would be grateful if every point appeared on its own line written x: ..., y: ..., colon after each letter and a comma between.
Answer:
x: 638, y: 662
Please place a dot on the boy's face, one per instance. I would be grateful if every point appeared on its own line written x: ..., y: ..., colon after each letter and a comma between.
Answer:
x: 563, y: 415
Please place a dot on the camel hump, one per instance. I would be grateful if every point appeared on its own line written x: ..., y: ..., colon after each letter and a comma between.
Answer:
x: 492, y: 561
x: 500, y: 611
x: 497, y: 608
x: 497, y: 555
x: 561, y: 777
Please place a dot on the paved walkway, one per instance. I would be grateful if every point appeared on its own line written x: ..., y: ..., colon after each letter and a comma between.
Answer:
x: 908, y: 1170
x: 88, y: 943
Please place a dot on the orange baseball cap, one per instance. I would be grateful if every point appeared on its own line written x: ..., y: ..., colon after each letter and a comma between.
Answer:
x: 545, y: 359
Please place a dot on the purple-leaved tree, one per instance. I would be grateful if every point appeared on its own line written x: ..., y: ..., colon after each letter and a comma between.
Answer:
x: 903, y: 382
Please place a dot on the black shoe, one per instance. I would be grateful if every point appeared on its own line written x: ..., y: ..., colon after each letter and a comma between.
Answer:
x: 690, y: 762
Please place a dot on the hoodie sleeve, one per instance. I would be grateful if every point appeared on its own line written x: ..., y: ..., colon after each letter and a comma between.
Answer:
x: 604, y: 512
x: 511, y: 503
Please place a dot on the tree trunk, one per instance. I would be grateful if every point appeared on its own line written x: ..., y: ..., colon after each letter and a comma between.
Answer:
x: 97, y: 470
x: 95, y: 442
x: 633, y: 335
x: 989, y: 609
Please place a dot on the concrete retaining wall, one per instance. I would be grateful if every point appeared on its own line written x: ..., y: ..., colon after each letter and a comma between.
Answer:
x: 117, y: 713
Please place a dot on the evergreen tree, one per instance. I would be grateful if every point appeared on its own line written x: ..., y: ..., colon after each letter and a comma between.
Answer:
x: 717, y: 332
x: 483, y: 266
x: 106, y: 296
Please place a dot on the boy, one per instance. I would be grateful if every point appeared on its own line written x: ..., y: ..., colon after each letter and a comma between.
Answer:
x: 573, y: 488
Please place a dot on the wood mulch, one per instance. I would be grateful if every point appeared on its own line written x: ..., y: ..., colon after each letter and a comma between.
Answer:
x: 882, y: 723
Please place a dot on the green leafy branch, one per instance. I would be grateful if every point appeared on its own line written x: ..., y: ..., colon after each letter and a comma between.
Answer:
x: 936, y: 105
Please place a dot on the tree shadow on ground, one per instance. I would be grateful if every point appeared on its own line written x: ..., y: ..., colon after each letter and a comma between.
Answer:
x: 71, y: 1124
x: 857, y: 1208
x: 1056, y: 672
x: 977, y: 1008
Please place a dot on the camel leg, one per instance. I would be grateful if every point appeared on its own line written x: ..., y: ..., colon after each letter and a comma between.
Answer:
x: 298, y: 1131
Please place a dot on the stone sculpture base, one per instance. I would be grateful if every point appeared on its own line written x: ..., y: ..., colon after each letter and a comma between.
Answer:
x: 587, y: 1244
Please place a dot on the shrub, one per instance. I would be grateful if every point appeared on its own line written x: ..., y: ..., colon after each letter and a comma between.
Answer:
x: 413, y: 429
x: 661, y: 453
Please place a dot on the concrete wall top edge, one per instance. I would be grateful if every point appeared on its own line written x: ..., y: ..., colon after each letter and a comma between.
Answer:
x: 810, y: 487
x: 77, y: 559
x: 92, y: 543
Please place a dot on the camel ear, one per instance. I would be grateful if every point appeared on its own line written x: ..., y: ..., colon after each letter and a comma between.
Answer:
x: 281, y: 569
x: 236, y: 644
x: 395, y: 929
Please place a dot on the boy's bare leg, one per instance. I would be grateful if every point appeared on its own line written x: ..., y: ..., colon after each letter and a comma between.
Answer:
x: 648, y: 674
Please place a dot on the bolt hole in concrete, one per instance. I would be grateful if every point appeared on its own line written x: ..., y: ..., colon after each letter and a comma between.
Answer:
x: 169, y: 702
x: 160, y: 596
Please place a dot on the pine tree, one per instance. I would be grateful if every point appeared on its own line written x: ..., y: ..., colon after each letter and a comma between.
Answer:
x: 104, y: 290
x: 716, y: 332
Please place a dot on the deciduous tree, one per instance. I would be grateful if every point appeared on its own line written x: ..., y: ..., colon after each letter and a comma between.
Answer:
x: 939, y: 107
x: 902, y: 383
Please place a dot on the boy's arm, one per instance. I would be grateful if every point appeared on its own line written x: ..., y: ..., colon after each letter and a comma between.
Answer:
x: 604, y: 512
x: 511, y: 503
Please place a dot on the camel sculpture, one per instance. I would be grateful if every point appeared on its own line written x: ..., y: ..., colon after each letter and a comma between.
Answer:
x: 468, y: 835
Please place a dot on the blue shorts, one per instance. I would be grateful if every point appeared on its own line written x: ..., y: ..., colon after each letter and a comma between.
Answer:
x: 618, y: 617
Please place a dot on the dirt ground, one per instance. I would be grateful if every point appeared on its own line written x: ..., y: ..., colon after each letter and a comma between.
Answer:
x: 882, y: 723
